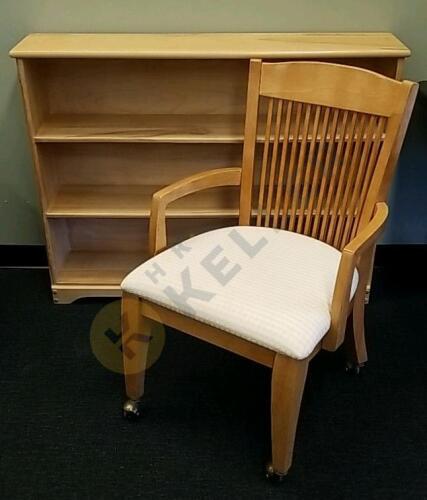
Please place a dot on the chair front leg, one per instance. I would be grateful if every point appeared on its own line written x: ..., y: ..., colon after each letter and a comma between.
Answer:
x: 287, y: 387
x: 136, y: 335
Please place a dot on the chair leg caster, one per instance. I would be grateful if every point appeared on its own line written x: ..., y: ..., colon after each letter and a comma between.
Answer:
x: 132, y: 409
x: 272, y: 475
x: 354, y: 368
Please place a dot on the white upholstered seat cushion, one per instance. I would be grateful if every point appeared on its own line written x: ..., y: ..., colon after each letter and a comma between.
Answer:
x: 271, y: 287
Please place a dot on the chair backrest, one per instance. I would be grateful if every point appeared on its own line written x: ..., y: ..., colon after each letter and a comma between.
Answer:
x: 320, y: 145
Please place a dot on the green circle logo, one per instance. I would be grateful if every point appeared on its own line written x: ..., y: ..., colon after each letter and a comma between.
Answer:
x: 106, y: 339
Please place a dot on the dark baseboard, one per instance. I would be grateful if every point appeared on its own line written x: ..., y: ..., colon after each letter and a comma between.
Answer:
x: 387, y: 256
x: 23, y: 256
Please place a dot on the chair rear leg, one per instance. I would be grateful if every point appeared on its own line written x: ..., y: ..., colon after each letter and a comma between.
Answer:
x: 287, y: 387
x: 136, y: 335
x: 355, y: 343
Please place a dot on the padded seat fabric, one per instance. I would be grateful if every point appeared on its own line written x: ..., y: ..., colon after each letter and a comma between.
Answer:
x: 269, y: 286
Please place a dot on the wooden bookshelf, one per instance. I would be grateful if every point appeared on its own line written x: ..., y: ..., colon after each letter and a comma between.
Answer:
x: 175, y: 128
x: 114, y: 117
x: 135, y: 201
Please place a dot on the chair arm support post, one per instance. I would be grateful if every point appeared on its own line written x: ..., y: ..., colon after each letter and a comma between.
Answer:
x: 353, y: 254
x: 204, y: 180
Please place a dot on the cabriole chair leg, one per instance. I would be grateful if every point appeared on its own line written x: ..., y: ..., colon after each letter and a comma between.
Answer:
x: 135, y: 344
x: 287, y: 387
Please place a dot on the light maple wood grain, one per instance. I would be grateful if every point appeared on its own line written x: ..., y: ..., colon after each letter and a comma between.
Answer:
x: 67, y: 294
x: 209, y: 45
x: 136, y: 331
x: 208, y: 333
x: 370, y: 93
x: 287, y: 387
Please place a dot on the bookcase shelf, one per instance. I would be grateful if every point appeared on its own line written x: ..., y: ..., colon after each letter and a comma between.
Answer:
x: 114, y: 118
x: 135, y: 202
x: 93, y: 268
x: 164, y: 128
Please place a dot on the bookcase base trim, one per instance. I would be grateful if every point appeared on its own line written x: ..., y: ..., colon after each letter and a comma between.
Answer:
x: 66, y: 294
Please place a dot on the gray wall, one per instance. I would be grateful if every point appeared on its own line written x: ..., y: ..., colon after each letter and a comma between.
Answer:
x: 19, y: 209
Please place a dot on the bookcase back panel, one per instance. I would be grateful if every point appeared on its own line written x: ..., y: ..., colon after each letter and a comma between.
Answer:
x: 103, y: 251
x: 142, y: 164
x: 114, y: 86
x: 119, y: 180
x: 143, y: 86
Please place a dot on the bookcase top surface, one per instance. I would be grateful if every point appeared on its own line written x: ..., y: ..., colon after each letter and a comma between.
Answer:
x: 209, y: 45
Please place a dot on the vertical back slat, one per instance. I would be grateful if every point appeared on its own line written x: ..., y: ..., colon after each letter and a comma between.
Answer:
x: 264, y: 163
x: 375, y: 151
x: 307, y: 178
x: 283, y: 157
x: 300, y: 170
x: 272, y: 178
x: 349, y: 178
x: 361, y: 171
x: 337, y: 208
x: 291, y: 167
x: 336, y: 153
x: 315, y: 190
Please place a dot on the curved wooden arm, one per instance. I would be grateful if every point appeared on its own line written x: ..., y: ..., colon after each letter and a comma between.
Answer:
x: 360, y: 248
x: 370, y: 233
x: 197, y: 182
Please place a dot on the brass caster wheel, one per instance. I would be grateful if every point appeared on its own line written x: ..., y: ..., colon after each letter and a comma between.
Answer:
x: 132, y: 409
x: 353, y: 368
x: 272, y: 475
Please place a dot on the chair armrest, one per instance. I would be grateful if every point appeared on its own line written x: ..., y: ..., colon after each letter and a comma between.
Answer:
x: 370, y: 233
x: 204, y: 180
x: 353, y: 253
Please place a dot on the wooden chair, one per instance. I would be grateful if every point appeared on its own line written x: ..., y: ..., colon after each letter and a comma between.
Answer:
x: 286, y: 282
